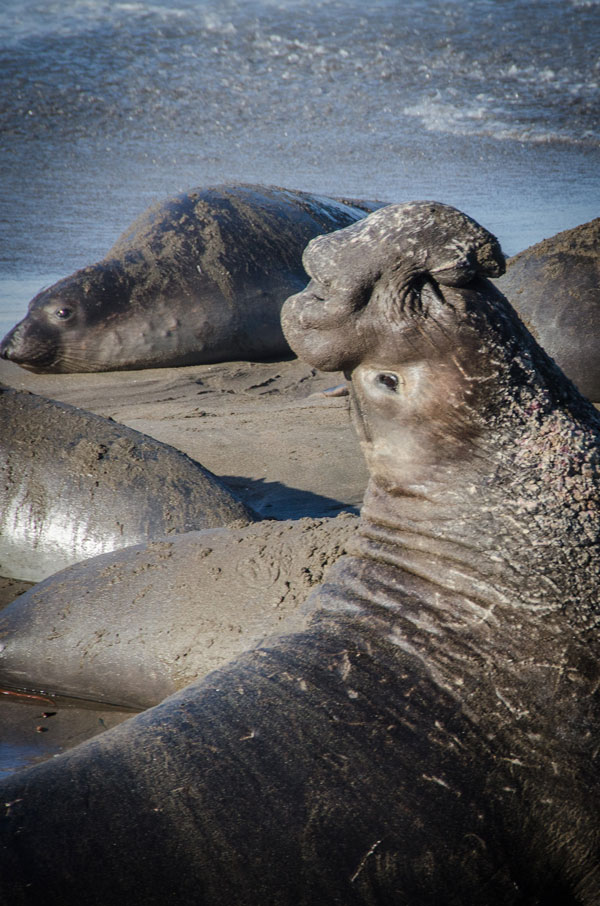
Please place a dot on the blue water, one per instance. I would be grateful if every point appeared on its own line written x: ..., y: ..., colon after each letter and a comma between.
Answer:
x: 491, y: 105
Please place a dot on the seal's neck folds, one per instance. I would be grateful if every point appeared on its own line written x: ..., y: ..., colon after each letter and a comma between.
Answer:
x: 485, y: 471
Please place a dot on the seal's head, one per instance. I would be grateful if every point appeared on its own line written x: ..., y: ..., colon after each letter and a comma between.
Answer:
x: 386, y: 304
x: 443, y: 372
x: 67, y: 323
x: 385, y: 266
x: 120, y: 313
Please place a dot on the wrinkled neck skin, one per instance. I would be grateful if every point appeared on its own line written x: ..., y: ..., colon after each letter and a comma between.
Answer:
x: 478, y: 548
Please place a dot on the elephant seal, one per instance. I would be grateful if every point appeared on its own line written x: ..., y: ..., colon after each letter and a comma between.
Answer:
x: 198, y: 278
x: 432, y: 735
x: 131, y: 627
x: 554, y: 287
x: 74, y: 484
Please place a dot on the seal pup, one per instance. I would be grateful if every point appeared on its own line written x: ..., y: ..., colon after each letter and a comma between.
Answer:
x: 74, y: 484
x: 131, y: 627
x: 432, y: 735
x: 554, y: 287
x: 198, y: 278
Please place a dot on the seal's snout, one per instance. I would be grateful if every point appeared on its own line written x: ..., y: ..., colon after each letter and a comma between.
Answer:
x: 7, y: 346
x: 29, y: 346
x: 367, y: 279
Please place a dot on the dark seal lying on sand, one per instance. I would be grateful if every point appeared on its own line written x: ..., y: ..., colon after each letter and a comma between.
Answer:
x: 432, y: 735
x: 555, y: 287
x: 198, y: 278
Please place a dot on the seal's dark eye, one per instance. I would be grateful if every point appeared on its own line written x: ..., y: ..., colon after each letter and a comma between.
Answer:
x: 387, y: 380
x: 63, y: 313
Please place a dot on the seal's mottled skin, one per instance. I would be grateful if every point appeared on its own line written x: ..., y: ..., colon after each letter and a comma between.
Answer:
x: 198, y: 278
x: 432, y: 735
x: 555, y: 287
x: 74, y: 484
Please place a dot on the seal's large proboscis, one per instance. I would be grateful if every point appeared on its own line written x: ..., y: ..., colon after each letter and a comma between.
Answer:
x: 408, y: 244
x: 200, y: 277
x: 432, y: 735
x: 74, y: 484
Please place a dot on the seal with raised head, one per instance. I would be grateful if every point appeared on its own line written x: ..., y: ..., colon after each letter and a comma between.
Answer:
x: 198, y: 278
x: 74, y: 484
x: 554, y: 286
x: 432, y: 735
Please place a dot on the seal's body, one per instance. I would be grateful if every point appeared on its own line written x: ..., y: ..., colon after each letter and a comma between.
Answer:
x: 432, y: 735
x: 554, y: 285
x: 198, y: 278
x: 74, y: 485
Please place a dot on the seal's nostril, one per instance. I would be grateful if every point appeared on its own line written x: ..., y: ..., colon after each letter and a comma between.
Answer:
x: 6, y: 345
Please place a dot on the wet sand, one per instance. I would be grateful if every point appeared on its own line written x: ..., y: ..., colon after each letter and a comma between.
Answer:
x: 269, y: 430
x: 33, y: 730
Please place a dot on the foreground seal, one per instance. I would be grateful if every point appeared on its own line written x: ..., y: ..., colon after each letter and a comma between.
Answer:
x: 432, y: 736
x: 199, y: 278
x: 133, y: 626
x: 74, y: 484
x: 554, y: 286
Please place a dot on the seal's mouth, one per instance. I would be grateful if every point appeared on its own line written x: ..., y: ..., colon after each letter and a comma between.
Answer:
x: 358, y: 418
x: 28, y: 349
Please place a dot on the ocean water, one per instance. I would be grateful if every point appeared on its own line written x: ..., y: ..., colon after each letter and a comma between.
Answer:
x: 106, y: 107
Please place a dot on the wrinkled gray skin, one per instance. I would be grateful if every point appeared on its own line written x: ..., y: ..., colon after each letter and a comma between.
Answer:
x: 555, y: 287
x: 135, y: 625
x: 432, y: 736
x: 73, y: 485
x: 198, y: 278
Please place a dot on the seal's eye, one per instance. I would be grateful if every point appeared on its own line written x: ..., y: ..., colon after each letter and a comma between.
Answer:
x: 63, y: 313
x: 388, y: 380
